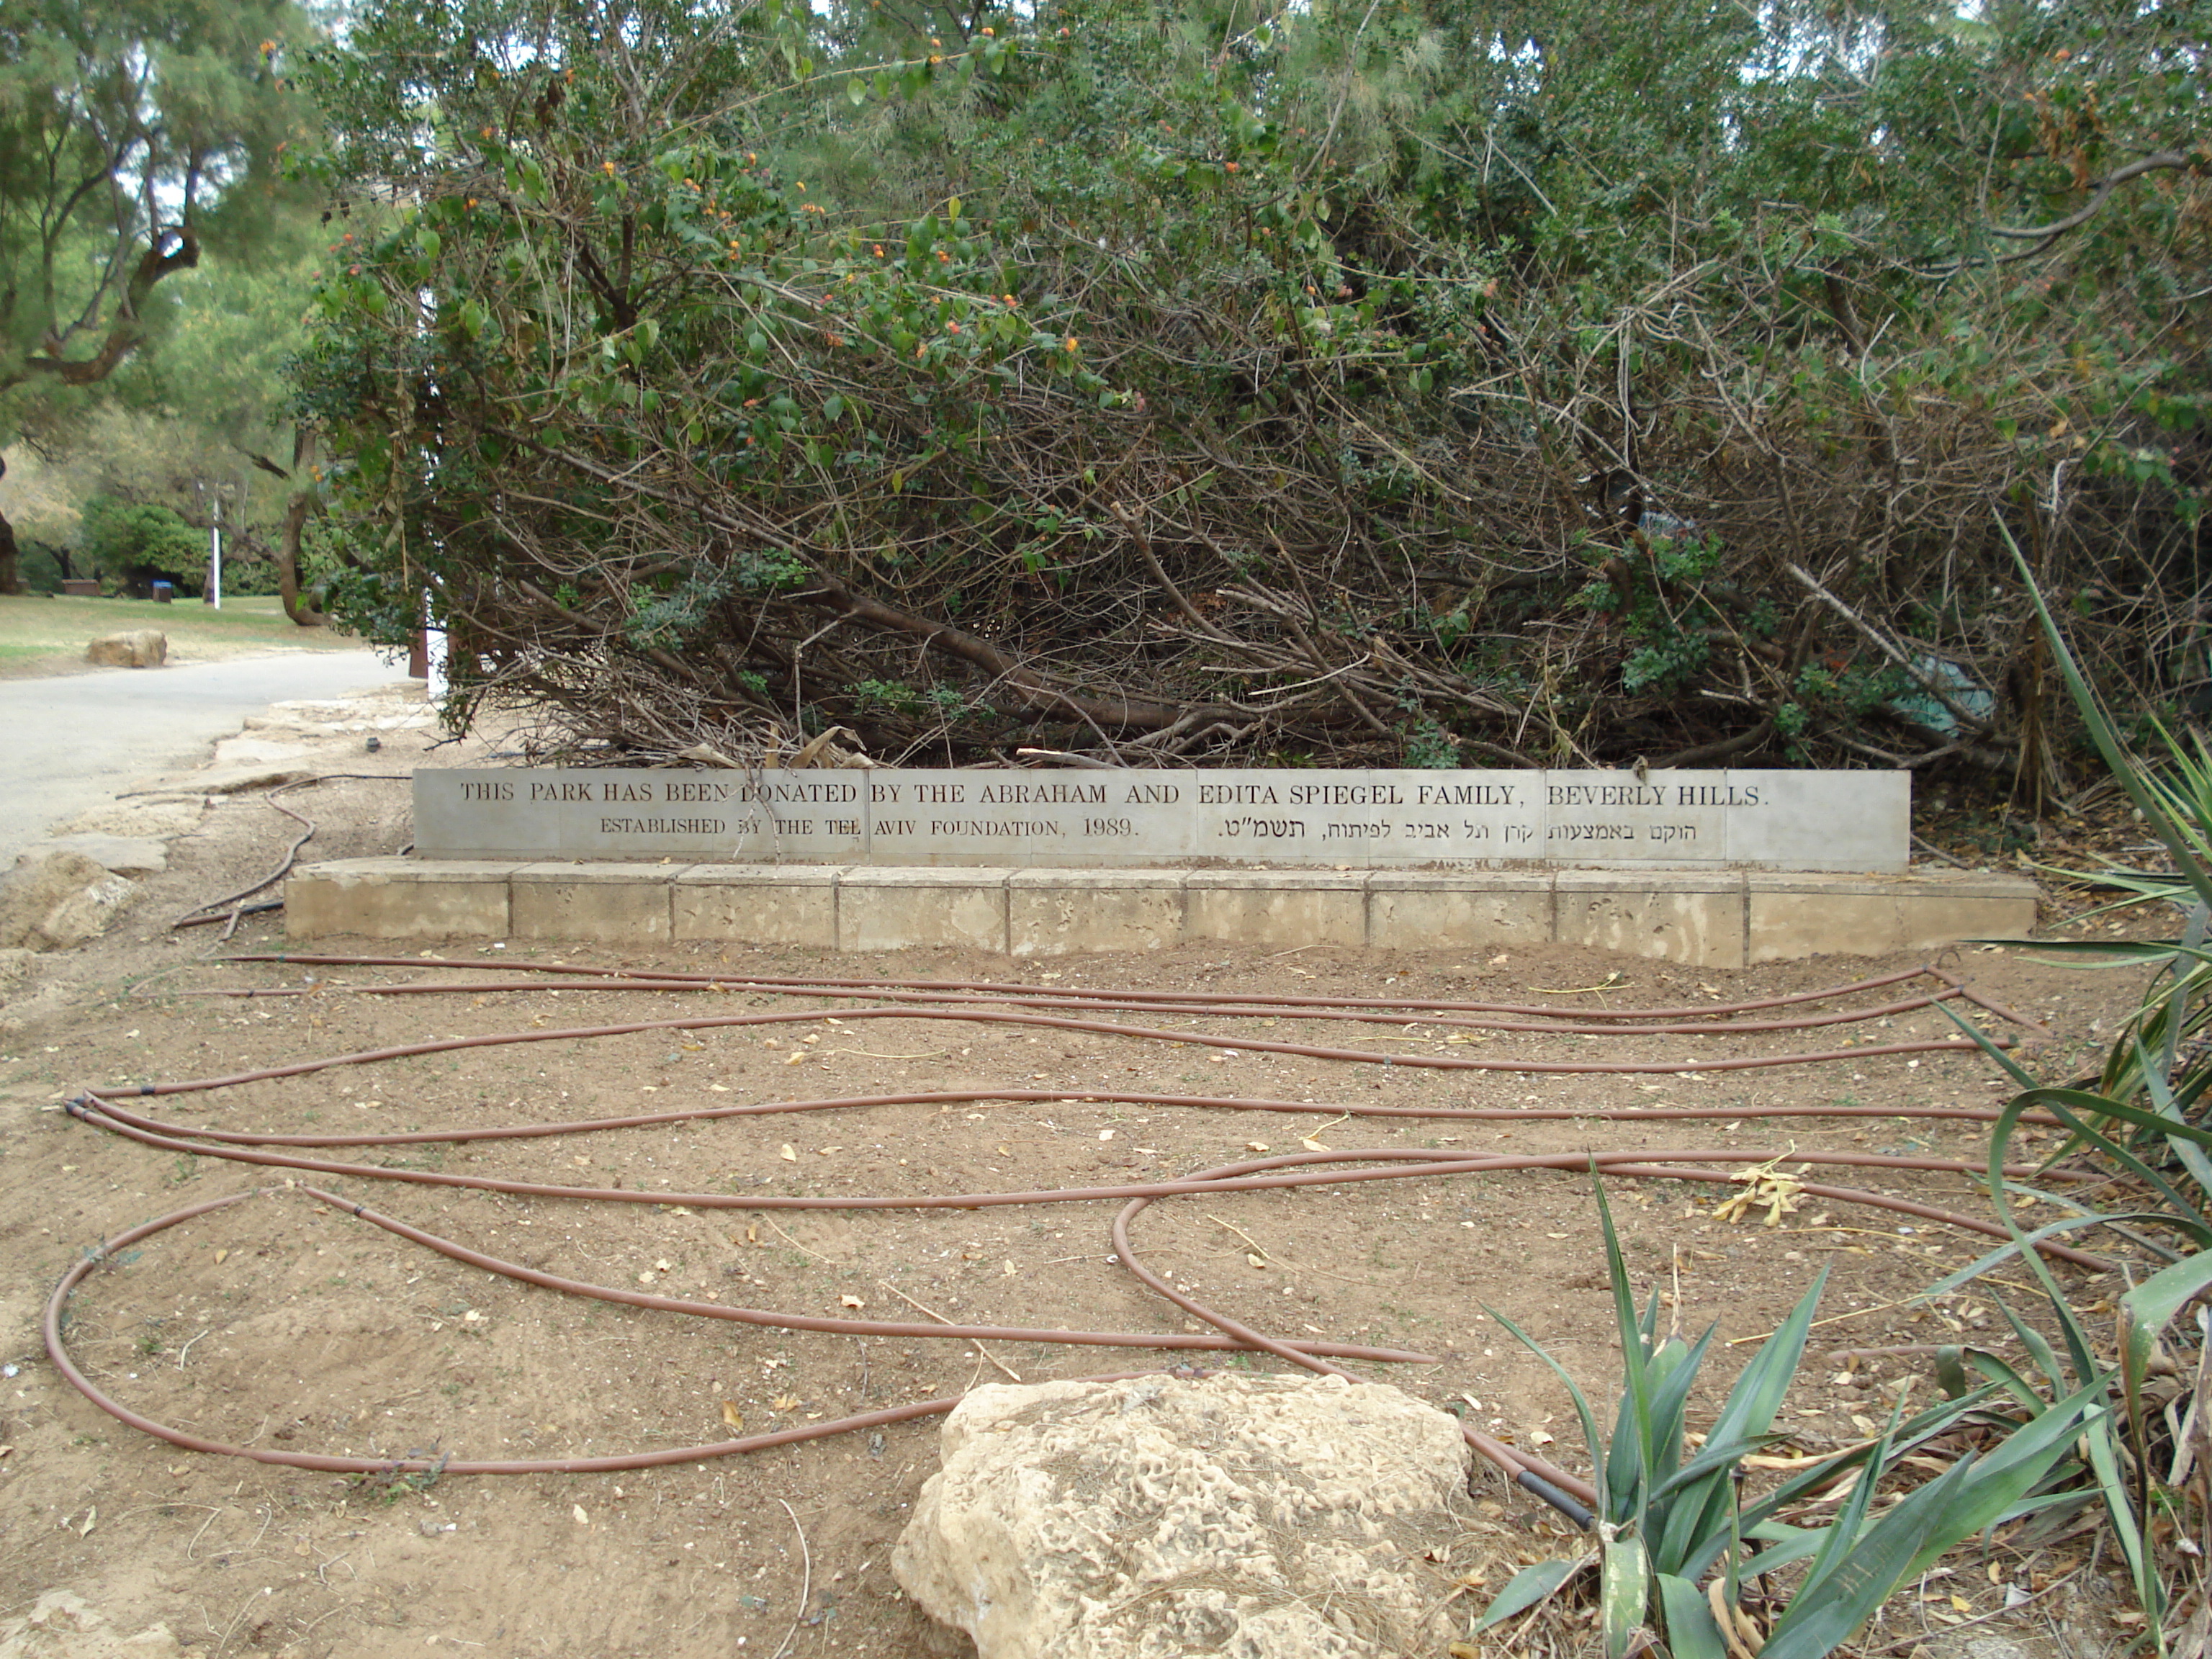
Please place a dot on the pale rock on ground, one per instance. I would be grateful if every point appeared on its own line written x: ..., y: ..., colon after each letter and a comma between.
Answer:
x: 141, y: 647
x: 1252, y: 1517
x: 55, y: 898
x: 389, y: 709
x: 126, y: 855
x: 61, y: 1625
x: 137, y: 818
x: 253, y: 751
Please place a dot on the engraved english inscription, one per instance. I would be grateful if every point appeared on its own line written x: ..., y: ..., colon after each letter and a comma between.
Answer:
x: 1378, y: 819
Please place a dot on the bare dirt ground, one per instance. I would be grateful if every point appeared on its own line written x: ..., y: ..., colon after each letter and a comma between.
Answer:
x: 281, y: 1323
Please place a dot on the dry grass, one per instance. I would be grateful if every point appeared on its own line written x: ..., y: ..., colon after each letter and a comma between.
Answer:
x: 47, y: 635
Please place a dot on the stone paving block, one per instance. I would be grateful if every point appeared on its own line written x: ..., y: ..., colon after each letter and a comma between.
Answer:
x: 1281, y: 908
x: 1051, y: 912
x: 398, y: 898
x: 899, y: 909
x: 614, y: 902
x: 1694, y: 919
x: 758, y: 904
x: 1409, y: 911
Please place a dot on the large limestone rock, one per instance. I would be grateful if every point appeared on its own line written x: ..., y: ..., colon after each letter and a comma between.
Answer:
x: 141, y: 647
x: 1252, y: 1517
x: 55, y: 898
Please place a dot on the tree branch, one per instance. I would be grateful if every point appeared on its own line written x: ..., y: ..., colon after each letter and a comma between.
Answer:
x: 124, y: 333
x: 2164, y: 159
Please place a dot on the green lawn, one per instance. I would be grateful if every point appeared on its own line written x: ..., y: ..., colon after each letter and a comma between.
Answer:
x: 38, y: 632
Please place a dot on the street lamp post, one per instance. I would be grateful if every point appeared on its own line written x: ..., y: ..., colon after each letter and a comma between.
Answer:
x: 214, y: 594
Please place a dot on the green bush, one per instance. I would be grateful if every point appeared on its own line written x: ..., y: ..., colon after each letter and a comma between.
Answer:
x: 120, y: 537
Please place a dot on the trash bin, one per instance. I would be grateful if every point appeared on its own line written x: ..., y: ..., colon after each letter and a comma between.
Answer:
x: 164, y: 593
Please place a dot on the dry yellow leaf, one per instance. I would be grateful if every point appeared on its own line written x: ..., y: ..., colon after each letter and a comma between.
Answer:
x: 784, y: 1402
x: 220, y: 1257
x: 732, y: 1415
x: 851, y: 1302
x: 1311, y: 1144
x: 789, y: 1153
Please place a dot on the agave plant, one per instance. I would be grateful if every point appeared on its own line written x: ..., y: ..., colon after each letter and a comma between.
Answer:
x: 1678, y: 1538
x: 2140, y: 1117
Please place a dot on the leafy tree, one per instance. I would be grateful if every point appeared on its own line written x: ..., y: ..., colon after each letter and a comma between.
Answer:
x: 133, y: 138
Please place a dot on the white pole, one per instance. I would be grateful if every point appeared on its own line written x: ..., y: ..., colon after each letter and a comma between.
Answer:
x: 215, y: 557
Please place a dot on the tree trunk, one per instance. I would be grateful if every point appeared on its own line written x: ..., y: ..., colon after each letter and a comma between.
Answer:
x: 288, y: 560
x: 11, y: 578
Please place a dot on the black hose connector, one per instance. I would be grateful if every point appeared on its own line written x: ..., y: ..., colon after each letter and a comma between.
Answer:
x: 1558, y: 1499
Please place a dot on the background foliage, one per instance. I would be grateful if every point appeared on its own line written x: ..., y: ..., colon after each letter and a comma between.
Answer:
x: 1439, y: 382
x: 153, y: 260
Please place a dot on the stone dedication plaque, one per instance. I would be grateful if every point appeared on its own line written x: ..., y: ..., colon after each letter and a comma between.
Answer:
x: 1684, y: 820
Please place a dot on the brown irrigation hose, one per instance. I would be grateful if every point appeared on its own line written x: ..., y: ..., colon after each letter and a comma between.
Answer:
x: 292, y: 853
x: 515, y: 1270
x: 655, y: 978
x: 58, y: 1350
x: 1525, y: 1468
x: 1137, y: 1003
x: 1289, y: 1171
x: 90, y: 1108
x: 781, y: 986
x: 1092, y: 1027
x: 1048, y: 1096
x: 990, y: 987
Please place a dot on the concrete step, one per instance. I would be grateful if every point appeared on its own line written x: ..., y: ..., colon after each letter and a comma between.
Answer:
x: 1716, y: 918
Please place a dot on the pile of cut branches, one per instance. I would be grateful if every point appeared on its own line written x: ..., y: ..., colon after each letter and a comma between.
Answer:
x: 1186, y: 450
